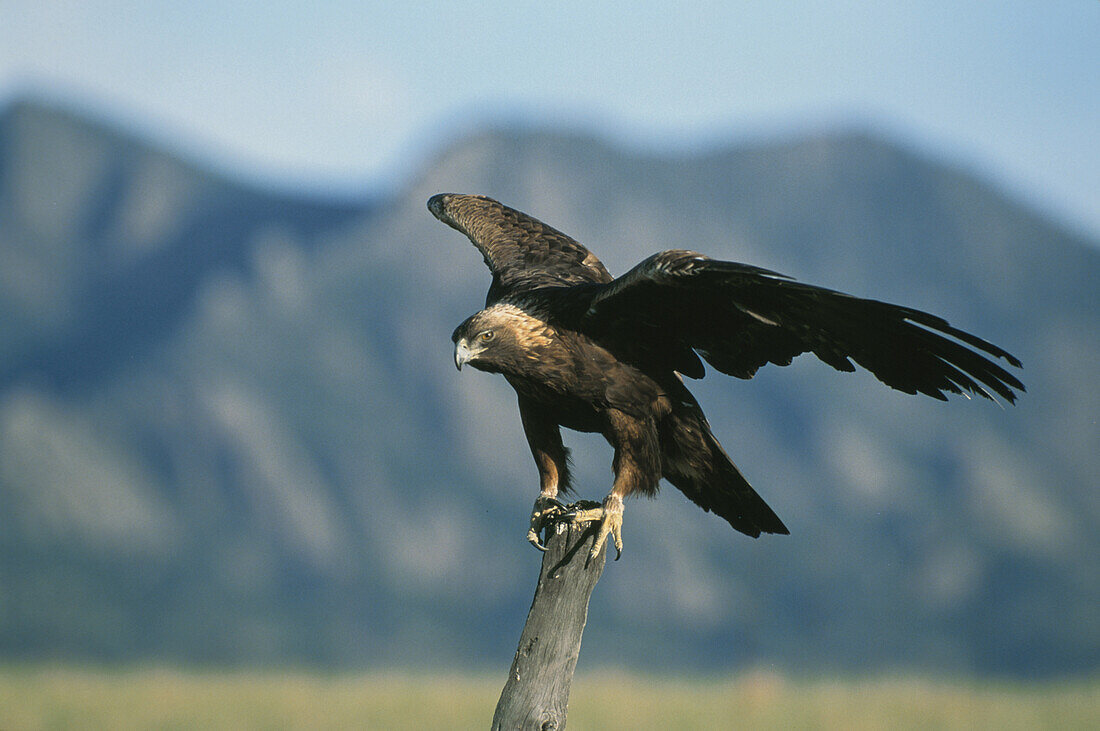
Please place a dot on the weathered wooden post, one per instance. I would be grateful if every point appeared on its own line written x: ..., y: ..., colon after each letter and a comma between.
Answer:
x: 536, y: 695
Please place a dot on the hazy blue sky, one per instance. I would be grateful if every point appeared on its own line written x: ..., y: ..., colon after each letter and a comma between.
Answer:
x: 342, y: 94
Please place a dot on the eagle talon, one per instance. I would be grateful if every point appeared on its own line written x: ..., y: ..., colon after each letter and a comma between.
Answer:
x: 533, y: 539
x: 546, y: 510
x: 582, y: 511
x: 610, y: 518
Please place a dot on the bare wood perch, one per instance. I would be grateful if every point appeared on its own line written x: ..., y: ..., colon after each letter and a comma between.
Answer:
x: 536, y: 696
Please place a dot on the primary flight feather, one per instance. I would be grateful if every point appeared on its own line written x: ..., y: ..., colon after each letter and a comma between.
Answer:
x: 594, y: 353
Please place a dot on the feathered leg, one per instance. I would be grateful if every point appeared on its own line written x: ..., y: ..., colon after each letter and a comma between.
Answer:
x: 637, y: 468
x: 552, y: 459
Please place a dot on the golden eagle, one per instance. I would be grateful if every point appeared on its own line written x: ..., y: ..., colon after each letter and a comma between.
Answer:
x: 594, y: 353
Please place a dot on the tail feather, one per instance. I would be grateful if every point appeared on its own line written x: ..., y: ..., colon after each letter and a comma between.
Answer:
x: 696, y: 464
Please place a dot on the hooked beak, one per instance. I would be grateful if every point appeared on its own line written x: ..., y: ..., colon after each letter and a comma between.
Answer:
x: 462, y: 353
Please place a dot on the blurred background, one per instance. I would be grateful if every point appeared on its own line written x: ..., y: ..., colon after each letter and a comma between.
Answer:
x: 230, y: 432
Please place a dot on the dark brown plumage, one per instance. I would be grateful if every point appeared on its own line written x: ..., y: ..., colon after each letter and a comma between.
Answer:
x: 597, y: 354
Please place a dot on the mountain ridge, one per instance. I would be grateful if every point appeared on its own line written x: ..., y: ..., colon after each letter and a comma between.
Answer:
x: 152, y: 225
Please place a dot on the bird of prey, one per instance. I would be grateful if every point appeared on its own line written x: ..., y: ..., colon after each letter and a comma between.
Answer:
x: 595, y: 353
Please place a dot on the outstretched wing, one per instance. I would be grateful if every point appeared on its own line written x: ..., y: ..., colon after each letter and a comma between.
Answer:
x: 521, y: 252
x: 739, y: 318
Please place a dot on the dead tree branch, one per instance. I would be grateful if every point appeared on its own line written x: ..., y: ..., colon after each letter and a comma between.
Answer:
x: 536, y: 696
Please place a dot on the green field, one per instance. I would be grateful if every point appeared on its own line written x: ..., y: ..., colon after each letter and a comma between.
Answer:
x: 61, y: 697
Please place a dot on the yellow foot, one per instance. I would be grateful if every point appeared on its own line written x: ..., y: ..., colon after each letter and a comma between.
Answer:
x: 610, y: 517
x: 545, y: 511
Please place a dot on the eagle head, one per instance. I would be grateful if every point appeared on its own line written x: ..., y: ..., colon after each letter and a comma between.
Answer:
x: 473, y: 343
x: 498, y: 339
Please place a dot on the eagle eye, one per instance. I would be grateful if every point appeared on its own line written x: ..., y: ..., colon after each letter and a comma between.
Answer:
x: 485, y: 335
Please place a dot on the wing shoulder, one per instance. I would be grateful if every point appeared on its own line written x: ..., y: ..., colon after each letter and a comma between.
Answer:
x: 522, y: 252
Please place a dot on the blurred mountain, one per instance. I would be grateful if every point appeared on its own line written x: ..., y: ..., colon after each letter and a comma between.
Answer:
x: 230, y: 430
x: 105, y: 240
